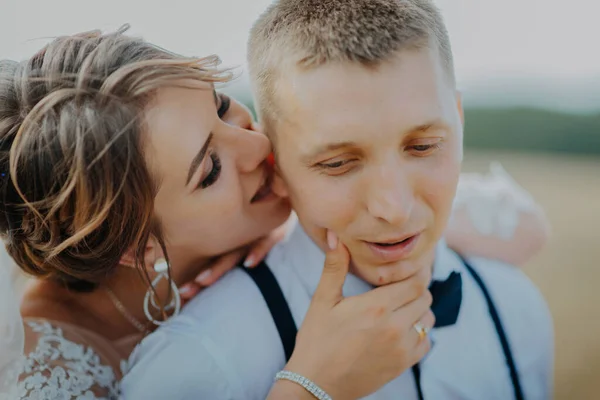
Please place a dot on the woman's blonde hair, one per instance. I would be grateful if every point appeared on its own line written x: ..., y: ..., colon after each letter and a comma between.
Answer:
x: 76, y: 192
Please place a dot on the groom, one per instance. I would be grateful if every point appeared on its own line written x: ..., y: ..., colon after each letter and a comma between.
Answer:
x: 359, y: 100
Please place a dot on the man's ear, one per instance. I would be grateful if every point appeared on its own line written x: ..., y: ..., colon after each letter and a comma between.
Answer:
x: 459, y: 106
x: 152, y: 252
x: 279, y: 186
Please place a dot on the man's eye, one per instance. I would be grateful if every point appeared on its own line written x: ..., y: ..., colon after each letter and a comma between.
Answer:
x: 424, y: 149
x: 337, y: 168
x: 335, y: 164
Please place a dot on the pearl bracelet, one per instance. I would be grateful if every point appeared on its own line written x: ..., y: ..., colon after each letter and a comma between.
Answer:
x: 306, y: 383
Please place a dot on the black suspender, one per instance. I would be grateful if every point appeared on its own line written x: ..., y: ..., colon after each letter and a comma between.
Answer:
x: 416, y: 370
x: 278, y: 306
x: 514, y: 376
x: 282, y: 316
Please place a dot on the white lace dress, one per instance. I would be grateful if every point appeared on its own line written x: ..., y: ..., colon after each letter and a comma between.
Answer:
x: 64, y: 362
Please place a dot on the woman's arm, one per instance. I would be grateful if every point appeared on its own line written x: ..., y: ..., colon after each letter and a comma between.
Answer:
x: 286, y: 390
x: 494, y: 217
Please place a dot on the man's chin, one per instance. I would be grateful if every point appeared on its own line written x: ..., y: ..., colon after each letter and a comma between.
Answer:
x: 379, y: 275
x: 370, y: 273
x: 369, y: 276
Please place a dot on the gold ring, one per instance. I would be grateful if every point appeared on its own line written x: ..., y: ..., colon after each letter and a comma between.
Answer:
x: 421, y: 330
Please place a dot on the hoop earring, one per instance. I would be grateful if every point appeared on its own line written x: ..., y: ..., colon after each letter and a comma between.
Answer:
x: 161, y: 267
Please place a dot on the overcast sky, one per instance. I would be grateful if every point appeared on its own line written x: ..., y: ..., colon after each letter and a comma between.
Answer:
x: 531, y: 50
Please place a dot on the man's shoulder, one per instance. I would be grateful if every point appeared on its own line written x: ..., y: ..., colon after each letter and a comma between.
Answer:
x: 232, y: 294
x: 230, y: 309
x: 222, y: 341
x: 169, y: 364
x: 510, y: 286
x: 502, y: 277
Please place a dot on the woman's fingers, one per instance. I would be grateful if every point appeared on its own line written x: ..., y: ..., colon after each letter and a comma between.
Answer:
x: 263, y: 246
x: 220, y: 267
x: 210, y: 275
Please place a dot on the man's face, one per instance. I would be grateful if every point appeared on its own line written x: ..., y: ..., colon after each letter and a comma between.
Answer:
x: 374, y: 155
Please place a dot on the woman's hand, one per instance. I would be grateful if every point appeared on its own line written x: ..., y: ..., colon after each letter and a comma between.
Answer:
x: 350, y: 347
x: 252, y: 256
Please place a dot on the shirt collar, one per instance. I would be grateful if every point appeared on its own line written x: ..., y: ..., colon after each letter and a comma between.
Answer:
x: 446, y: 261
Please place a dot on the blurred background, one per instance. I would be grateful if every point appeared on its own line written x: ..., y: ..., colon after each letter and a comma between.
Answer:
x: 529, y: 71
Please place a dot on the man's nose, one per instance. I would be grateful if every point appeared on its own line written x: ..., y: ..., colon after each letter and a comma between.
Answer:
x: 390, y: 196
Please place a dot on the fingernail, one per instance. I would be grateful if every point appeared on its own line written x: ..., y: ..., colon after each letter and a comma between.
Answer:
x: 184, y: 290
x: 332, y: 240
x: 204, y: 276
x: 249, y: 262
x: 271, y: 159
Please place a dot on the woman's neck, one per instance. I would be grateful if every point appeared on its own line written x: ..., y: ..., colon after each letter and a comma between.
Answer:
x: 94, y: 311
x: 108, y: 315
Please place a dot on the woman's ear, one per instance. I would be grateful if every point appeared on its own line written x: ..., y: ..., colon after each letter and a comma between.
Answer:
x: 152, y: 252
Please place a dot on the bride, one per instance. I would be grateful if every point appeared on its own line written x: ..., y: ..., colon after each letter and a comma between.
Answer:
x: 111, y: 219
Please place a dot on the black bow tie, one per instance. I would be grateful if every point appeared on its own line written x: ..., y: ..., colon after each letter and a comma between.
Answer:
x: 447, y: 296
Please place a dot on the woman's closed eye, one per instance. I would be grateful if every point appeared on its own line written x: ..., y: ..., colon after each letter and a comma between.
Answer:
x: 212, y: 171
x: 224, y: 102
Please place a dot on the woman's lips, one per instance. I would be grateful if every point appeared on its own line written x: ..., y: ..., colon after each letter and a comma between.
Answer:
x: 264, y: 192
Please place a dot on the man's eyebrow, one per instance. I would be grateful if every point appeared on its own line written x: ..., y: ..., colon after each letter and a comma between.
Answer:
x: 197, y: 160
x: 434, y: 123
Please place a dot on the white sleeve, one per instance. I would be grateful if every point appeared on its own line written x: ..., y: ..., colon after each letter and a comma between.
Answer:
x: 174, y: 366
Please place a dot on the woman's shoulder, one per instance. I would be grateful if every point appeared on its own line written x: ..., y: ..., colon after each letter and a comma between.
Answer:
x: 64, y: 362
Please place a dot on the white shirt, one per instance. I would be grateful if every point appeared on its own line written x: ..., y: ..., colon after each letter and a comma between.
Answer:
x: 224, y: 344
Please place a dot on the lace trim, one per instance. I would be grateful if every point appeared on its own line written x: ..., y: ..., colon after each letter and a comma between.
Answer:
x: 59, y: 369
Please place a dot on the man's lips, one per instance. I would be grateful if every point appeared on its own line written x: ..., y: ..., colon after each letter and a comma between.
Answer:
x: 393, y: 241
x: 394, y: 249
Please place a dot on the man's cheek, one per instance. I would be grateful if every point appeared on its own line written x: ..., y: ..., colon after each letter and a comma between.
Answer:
x: 322, y: 213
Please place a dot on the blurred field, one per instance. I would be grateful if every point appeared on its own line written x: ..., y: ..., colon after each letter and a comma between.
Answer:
x: 567, y: 271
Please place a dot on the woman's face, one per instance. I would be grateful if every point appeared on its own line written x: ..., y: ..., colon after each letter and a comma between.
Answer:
x: 214, y: 184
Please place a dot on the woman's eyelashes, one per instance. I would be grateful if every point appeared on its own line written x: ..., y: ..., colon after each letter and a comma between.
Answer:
x: 223, y: 106
x: 214, y: 171
x: 213, y: 165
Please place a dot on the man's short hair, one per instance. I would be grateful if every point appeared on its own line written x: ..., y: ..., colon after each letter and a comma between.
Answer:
x: 309, y: 33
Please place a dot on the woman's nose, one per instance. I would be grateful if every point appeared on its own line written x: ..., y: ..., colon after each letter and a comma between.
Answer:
x: 252, y: 149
